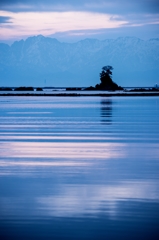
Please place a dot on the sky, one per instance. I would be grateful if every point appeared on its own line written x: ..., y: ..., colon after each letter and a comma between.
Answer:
x: 71, y: 20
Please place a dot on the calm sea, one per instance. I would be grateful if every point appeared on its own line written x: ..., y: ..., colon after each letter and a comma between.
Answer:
x: 79, y: 168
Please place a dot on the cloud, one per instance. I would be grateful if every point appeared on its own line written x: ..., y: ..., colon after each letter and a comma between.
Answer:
x: 106, y: 6
x: 78, y: 18
x: 5, y: 19
x: 136, y: 20
x: 46, y: 23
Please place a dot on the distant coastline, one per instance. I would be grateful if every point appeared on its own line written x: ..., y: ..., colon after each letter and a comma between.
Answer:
x: 108, y: 94
x: 76, y: 92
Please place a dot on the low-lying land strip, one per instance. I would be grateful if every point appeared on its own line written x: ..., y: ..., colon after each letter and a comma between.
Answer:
x: 82, y: 94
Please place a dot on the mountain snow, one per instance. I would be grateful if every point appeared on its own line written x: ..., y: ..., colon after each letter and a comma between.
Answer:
x: 43, y: 61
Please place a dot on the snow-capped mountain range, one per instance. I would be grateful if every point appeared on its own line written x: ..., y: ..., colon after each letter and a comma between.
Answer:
x: 43, y: 61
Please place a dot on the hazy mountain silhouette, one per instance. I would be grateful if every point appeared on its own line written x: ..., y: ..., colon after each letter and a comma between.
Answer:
x: 41, y: 61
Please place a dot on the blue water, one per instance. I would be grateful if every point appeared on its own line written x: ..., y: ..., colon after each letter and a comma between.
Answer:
x: 79, y: 168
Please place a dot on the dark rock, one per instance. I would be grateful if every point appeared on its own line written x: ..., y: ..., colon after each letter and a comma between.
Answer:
x: 24, y: 89
x: 5, y: 89
x: 89, y: 88
x: 73, y: 89
x: 39, y: 89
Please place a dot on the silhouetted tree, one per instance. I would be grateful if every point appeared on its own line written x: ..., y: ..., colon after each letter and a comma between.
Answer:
x: 106, y: 80
x: 106, y: 75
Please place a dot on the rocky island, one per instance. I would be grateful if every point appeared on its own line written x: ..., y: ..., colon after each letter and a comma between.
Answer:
x: 106, y: 81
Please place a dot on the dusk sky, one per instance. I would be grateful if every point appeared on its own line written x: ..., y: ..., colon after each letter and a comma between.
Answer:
x: 75, y: 20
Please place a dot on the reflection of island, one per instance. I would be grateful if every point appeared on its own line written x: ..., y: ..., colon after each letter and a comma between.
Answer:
x: 106, y: 111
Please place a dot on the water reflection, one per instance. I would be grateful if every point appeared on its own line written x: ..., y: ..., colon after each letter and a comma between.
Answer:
x: 65, y: 150
x: 64, y: 175
x: 106, y: 111
x: 77, y: 200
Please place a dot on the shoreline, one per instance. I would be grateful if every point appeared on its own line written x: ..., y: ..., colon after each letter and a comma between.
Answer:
x: 123, y: 94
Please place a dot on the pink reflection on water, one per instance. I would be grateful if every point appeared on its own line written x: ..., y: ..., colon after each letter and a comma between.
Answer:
x: 82, y: 150
x: 41, y: 164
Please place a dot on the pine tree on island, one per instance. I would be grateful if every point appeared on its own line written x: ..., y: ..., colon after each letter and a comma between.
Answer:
x: 106, y: 80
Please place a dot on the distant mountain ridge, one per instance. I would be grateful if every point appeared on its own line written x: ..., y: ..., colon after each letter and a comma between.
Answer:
x: 43, y: 61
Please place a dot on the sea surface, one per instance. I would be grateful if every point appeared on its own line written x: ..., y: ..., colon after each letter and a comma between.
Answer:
x: 79, y: 168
